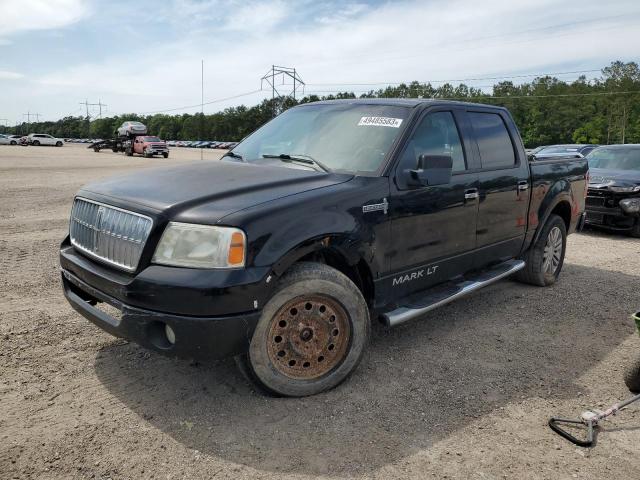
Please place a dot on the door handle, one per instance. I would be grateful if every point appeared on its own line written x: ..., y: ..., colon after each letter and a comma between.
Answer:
x: 471, y: 194
x: 522, y: 186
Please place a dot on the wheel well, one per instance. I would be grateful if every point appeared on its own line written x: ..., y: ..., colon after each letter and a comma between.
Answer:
x: 360, y: 274
x: 563, y: 210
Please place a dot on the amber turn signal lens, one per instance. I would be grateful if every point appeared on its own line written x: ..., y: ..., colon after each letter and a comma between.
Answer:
x: 236, y: 249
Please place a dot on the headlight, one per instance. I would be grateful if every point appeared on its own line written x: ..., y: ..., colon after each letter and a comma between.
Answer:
x: 629, y: 189
x: 201, y: 246
x: 630, y: 206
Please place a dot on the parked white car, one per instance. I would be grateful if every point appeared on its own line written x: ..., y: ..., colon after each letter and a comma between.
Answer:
x: 9, y: 139
x: 44, y: 139
x: 129, y: 129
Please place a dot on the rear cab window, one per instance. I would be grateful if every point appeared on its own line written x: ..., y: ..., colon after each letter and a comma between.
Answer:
x: 494, y: 142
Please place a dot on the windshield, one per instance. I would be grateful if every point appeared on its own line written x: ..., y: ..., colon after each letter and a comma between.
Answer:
x: 618, y: 158
x: 341, y: 136
x: 152, y: 139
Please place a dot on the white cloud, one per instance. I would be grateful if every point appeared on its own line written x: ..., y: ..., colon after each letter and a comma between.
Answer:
x: 397, y: 41
x: 6, y: 75
x: 23, y: 15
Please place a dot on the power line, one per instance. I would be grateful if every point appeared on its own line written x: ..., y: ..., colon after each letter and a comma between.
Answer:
x: 210, y: 102
x: 528, y: 75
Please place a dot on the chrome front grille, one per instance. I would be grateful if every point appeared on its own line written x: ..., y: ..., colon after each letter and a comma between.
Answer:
x: 109, y: 234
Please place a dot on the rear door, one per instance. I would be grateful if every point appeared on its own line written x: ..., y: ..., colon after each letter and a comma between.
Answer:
x: 503, y: 183
x: 433, y: 227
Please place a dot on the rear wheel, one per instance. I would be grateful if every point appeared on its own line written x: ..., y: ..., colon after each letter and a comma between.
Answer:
x: 58, y: 144
x: 129, y: 152
x: 13, y: 142
x: 545, y: 258
x: 311, y: 335
x: 36, y: 143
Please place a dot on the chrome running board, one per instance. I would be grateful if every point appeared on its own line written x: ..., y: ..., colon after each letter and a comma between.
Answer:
x: 433, y: 299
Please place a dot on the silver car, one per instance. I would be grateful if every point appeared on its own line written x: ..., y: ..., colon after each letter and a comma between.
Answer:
x: 130, y: 129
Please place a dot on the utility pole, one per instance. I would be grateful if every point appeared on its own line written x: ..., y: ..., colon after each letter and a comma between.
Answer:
x: 201, y: 104
x: 283, y: 73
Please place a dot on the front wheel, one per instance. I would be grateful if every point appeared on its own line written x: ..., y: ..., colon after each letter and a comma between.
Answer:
x: 58, y: 144
x: 13, y: 142
x: 311, y: 335
x: 545, y: 257
x: 36, y: 143
x: 165, y: 155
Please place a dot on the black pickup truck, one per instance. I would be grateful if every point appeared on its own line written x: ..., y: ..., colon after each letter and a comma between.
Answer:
x: 331, y: 214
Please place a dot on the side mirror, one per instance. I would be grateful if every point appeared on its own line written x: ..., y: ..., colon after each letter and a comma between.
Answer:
x: 432, y: 170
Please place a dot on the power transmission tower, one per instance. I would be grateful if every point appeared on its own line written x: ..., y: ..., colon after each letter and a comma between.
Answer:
x: 87, y: 105
x: 284, y: 82
x: 29, y: 115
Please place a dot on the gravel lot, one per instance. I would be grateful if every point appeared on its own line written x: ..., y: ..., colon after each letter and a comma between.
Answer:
x: 463, y: 393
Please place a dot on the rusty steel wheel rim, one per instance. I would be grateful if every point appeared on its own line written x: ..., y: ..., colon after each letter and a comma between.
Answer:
x: 309, y: 337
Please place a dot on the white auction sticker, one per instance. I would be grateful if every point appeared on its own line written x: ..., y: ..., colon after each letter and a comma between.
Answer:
x: 380, y: 122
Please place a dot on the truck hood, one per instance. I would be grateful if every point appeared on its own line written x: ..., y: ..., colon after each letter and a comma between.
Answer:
x: 602, y: 178
x: 219, y: 186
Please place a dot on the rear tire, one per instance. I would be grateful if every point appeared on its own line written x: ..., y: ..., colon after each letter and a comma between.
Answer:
x: 58, y: 144
x: 632, y: 377
x: 36, y: 143
x: 128, y: 152
x: 13, y: 142
x: 545, y: 258
x: 311, y: 335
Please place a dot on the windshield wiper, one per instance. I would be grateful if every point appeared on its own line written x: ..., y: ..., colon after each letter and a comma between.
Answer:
x: 232, y: 154
x: 300, y: 158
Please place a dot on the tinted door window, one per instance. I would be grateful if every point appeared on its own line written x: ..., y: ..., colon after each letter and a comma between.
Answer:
x: 494, y: 142
x: 436, y: 134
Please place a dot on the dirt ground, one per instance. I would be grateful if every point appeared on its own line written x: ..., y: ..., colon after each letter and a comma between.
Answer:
x: 463, y: 393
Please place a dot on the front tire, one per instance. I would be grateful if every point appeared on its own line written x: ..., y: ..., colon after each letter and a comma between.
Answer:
x: 311, y: 335
x: 13, y: 142
x: 58, y: 144
x: 545, y: 258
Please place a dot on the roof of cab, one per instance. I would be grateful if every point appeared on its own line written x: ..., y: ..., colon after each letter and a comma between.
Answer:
x: 400, y: 102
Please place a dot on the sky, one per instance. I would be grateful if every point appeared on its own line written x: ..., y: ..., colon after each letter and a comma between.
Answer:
x: 145, y: 56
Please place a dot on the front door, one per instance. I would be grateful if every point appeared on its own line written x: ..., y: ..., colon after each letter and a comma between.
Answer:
x: 433, y: 228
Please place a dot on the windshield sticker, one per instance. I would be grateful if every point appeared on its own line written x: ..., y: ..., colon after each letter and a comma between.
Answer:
x: 380, y: 122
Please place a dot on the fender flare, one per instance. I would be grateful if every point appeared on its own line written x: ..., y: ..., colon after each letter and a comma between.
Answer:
x: 549, y: 203
x: 340, y: 244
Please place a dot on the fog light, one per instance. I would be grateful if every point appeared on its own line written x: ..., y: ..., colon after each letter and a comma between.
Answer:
x: 171, y: 335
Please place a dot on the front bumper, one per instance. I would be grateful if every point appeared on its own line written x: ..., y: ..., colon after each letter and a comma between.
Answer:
x: 201, y: 338
x: 212, y: 312
x: 610, y: 217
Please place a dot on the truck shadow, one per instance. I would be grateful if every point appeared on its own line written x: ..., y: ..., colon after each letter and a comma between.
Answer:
x: 418, y: 384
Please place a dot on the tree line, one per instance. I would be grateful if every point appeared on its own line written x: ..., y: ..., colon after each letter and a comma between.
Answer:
x: 547, y: 111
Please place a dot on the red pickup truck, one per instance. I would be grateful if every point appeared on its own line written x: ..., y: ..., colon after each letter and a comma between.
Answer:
x: 148, y: 146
